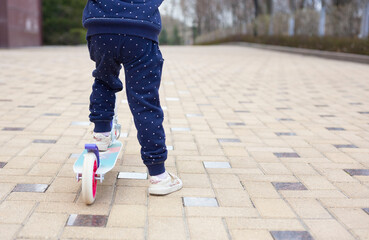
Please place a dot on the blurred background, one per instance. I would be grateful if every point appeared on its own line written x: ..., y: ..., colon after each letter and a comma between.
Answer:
x: 333, y: 25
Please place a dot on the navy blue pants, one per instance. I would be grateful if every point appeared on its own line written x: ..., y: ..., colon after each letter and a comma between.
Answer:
x: 143, y: 62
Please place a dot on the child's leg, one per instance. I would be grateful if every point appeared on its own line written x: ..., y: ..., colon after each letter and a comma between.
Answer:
x: 143, y: 64
x: 104, y: 51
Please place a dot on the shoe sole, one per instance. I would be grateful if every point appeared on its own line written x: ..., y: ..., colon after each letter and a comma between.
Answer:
x: 102, y: 148
x: 165, y: 190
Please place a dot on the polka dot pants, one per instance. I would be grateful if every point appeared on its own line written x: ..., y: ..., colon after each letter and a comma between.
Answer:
x: 143, y: 62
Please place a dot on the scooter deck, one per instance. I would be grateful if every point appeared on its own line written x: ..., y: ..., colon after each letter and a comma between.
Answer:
x: 107, y: 159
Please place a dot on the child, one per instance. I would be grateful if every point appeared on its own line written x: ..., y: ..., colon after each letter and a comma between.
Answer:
x: 126, y: 32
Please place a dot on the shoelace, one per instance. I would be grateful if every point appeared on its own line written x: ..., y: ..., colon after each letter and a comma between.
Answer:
x: 152, y: 181
x: 97, y: 139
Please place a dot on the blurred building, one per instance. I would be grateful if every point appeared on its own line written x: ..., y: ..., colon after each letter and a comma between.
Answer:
x: 20, y: 23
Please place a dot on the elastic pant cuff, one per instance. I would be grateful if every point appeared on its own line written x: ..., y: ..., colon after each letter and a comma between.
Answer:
x: 102, y: 126
x: 156, y: 169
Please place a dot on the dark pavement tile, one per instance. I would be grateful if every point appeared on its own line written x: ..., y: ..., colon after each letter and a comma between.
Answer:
x: 288, y: 186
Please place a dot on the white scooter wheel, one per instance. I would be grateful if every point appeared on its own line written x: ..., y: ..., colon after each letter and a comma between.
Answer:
x: 89, y: 183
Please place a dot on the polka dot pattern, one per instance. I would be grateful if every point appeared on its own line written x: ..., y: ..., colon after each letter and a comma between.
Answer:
x: 143, y: 63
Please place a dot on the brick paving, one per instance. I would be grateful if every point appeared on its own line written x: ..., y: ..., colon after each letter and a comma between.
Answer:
x: 269, y: 146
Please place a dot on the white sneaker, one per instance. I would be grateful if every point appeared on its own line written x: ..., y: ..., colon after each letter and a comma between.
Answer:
x: 101, y: 141
x: 164, y: 186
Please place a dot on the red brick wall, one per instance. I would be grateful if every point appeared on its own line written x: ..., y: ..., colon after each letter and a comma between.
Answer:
x: 23, y: 22
x: 3, y: 23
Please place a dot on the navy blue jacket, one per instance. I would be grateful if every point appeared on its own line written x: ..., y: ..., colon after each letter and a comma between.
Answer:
x: 133, y: 17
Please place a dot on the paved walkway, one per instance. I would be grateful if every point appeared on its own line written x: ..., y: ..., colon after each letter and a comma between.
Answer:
x: 269, y: 146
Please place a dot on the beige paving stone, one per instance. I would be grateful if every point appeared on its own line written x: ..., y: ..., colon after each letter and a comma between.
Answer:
x: 275, y: 168
x: 337, y: 175
x: 193, y: 192
x: 15, y: 211
x: 195, y: 180
x: 165, y: 207
x: 353, y: 218
x: 227, y: 92
x: 105, y: 194
x: 5, y: 158
x: 109, y: 179
x: 316, y: 182
x: 131, y: 183
x: 66, y: 171
x: 235, y: 151
x: 225, y: 181
x: 34, y: 150
x: 5, y: 189
x: 265, y: 223
x: 308, y: 208
x: 297, y: 143
x: 321, y: 194
x: 354, y: 190
x: 123, y: 168
x: 201, y: 158
x: 233, y: 197
x: 51, y: 130
x: 355, y: 150
x: 360, y: 157
x: 21, y: 162
x: 275, y: 143
x: 300, y: 168
x: 218, y: 130
x: 12, y: 172
x: 131, y: 195
x: 273, y: 208
x: 176, y: 152
x: 361, y: 233
x: 327, y: 229
x: 339, y: 157
x: 242, y: 162
x: 344, y: 202
x: 264, y: 157
x: 363, y: 179
x: 186, y: 145
x: 190, y: 167
x: 207, y: 228
x: 8, y: 231
x: 72, y: 208
x: 166, y: 228
x: 18, y: 141
x: 260, y: 189
x: 206, y: 141
x: 45, y: 169
x: 127, y: 216
x: 210, y: 150
x: 325, y: 148
x: 44, y: 225
x: 267, y: 178
x: 68, y: 139
x: 67, y: 185
x: 308, y: 152
x: 9, y: 151
x: 269, y: 149
x: 131, y: 160
x: 221, y: 212
x: 239, y: 234
x: 330, y: 165
x: 234, y: 170
x: 55, y: 156
x: 311, y: 160
x: 44, y: 197
x: 102, y: 233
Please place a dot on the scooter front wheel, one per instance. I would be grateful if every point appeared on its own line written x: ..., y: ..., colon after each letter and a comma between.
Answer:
x: 89, y: 182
